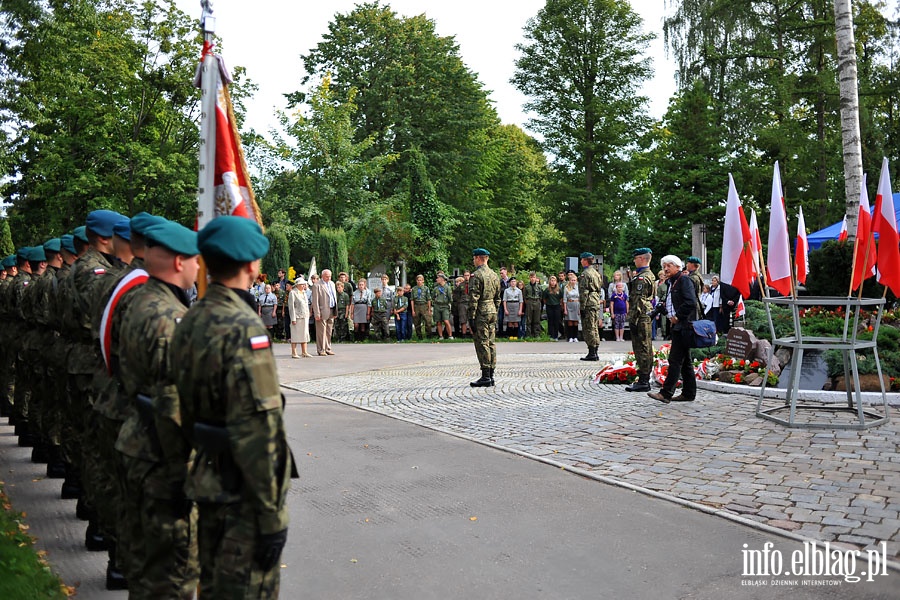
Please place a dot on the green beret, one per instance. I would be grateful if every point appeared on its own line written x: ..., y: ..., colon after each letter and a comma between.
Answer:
x: 693, y: 259
x: 80, y: 233
x: 169, y: 234
x: 9, y: 262
x: 141, y: 221
x: 102, y: 222
x: 586, y: 255
x: 123, y: 229
x: 234, y: 238
x: 67, y: 242
x: 36, y: 254
x: 22, y: 253
x: 640, y: 251
x: 480, y: 252
x: 52, y: 245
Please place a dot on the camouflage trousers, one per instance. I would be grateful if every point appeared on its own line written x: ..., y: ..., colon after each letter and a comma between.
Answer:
x: 590, y: 326
x: 227, y: 537
x: 101, y: 471
x: 380, y: 326
x: 161, y: 536
x: 641, y: 343
x: 483, y: 337
x: 533, y: 318
x: 422, y: 316
x: 341, y: 329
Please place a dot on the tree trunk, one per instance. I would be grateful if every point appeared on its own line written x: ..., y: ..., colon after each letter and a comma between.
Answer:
x: 850, y: 136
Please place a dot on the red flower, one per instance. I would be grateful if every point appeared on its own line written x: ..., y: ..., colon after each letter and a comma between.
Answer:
x: 754, y: 364
x: 623, y: 375
x: 737, y: 378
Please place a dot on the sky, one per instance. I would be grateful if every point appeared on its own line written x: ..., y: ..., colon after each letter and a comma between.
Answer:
x: 268, y: 37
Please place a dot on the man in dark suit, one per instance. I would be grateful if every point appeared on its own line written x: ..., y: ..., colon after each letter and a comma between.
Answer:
x: 680, y: 306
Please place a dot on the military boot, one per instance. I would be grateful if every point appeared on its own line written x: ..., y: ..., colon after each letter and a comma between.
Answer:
x: 115, y: 578
x: 56, y: 467
x: 40, y: 453
x: 492, y: 376
x: 591, y: 355
x: 641, y: 385
x: 485, y: 380
x: 82, y: 510
x: 71, y: 487
x: 94, y: 540
x: 5, y: 408
x: 23, y: 430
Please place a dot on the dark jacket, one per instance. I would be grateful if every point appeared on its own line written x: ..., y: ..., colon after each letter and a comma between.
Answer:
x: 684, y: 300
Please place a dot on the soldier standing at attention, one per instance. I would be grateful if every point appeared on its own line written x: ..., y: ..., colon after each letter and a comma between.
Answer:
x: 639, y: 309
x: 484, y: 300
x: 155, y: 452
x: 232, y: 410
x: 534, y: 302
x: 442, y: 295
x: 420, y: 300
x: 692, y: 267
x: 590, y: 288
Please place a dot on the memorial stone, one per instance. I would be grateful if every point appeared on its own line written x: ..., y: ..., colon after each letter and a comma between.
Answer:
x: 739, y: 343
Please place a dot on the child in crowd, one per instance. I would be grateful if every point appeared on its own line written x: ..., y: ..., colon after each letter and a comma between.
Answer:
x: 618, y: 308
x: 512, y: 309
x: 380, y: 316
x: 401, y: 314
x: 342, y: 310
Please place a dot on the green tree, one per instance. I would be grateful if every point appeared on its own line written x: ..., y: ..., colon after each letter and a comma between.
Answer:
x: 7, y: 246
x: 279, y: 252
x: 99, y: 110
x: 431, y: 218
x: 582, y: 66
x: 413, y: 92
x: 333, y: 250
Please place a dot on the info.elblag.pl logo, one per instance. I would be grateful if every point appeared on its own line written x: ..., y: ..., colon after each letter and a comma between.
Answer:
x: 813, y: 560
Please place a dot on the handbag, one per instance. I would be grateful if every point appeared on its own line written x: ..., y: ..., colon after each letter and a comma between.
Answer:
x: 704, y: 334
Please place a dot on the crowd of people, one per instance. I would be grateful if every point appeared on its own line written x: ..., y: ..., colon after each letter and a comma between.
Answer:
x: 163, y: 418
x: 438, y: 311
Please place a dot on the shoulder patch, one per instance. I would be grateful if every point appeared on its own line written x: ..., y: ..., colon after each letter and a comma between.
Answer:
x: 259, y: 342
x: 99, y: 271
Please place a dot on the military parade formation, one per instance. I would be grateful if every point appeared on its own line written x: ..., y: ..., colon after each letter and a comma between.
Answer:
x: 165, y: 422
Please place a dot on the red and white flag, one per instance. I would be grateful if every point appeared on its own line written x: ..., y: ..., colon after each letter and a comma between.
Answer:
x: 864, y: 254
x: 778, y: 259
x: 801, y: 251
x: 740, y: 309
x: 233, y: 194
x: 737, y: 258
x: 755, y: 243
x: 884, y: 223
x: 842, y: 236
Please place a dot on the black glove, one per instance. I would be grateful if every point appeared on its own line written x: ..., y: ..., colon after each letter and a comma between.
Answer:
x: 268, y: 549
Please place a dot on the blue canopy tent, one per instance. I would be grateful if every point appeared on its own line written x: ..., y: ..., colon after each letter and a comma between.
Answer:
x: 833, y: 231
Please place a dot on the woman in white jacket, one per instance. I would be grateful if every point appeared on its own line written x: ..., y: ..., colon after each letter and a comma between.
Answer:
x: 298, y: 306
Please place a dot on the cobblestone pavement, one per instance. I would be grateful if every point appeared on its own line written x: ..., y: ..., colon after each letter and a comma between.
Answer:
x: 826, y: 485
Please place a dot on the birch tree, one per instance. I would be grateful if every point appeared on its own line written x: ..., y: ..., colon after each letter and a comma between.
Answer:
x: 850, y: 136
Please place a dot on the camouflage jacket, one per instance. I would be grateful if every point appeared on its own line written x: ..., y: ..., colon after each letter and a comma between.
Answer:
x: 590, y: 289
x: 79, y: 290
x: 226, y: 377
x: 484, y: 292
x: 640, y: 295
x: 145, y: 331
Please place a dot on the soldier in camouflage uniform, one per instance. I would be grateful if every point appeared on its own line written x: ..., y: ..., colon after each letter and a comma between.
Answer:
x: 640, y: 295
x: 28, y: 351
x: 232, y: 409
x: 590, y: 292
x: 161, y: 523
x: 6, y: 361
x: 692, y: 266
x: 420, y: 301
x: 484, y: 300
x: 533, y: 293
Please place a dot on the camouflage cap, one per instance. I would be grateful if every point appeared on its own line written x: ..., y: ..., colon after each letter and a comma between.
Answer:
x: 141, y: 221
x: 640, y: 251
x: 67, y: 242
x: 102, y: 222
x: 122, y: 229
x: 80, y: 233
x: 234, y: 238
x: 480, y: 252
x: 693, y: 259
x: 52, y: 245
x: 586, y: 255
x: 173, y: 236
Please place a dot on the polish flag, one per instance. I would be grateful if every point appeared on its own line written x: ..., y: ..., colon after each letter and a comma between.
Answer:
x: 842, y: 236
x: 801, y: 251
x: 737, y: 258
x: 779, y: 257
x: 755, y: 243
x: 865, y: 242
x: 233, y: 194
x: 884, y: 223
x: 740, y: 309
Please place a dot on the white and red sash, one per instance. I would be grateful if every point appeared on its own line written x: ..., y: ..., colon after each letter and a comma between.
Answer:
x: 133, y: 279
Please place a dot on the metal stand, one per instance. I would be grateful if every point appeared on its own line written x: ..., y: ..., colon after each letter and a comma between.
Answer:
x: 847, y: 343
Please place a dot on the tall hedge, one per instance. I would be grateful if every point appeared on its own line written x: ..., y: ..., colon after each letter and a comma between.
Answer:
x: 279, y: 255
x: 332, y: 250
x: 6, y: 242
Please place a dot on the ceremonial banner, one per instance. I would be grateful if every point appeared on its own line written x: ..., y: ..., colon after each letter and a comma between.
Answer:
x: 884, y: 223
x: 778, y: 259
x: 737, y: 258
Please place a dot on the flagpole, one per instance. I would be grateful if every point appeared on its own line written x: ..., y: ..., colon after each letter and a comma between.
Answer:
x: 207, y: 171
